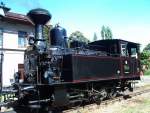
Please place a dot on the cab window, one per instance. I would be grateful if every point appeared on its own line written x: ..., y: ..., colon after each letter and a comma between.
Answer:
x: 133, y: 52
x: 123, y: 50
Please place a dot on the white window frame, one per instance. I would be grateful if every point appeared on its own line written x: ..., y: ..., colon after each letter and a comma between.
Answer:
x: 22, y: 37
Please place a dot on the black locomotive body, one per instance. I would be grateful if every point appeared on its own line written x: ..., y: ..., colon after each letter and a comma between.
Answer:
x: 59, y: 76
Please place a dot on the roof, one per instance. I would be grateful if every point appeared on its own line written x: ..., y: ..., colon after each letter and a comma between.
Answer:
x: 112, y: 41
x: 20, y: 18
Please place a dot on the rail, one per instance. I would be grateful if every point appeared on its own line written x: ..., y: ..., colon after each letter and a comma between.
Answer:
x: 137, y: 92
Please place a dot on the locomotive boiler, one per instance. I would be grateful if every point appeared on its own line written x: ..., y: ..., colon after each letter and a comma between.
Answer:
x: 58, y: 76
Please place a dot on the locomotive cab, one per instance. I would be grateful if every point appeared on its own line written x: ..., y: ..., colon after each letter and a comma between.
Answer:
x: 129, y: 49
x: 116, y: 47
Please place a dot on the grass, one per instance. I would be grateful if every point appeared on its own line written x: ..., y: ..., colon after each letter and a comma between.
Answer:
x: 147, y: 72
x: 2, y: 97
x: 139, y: 107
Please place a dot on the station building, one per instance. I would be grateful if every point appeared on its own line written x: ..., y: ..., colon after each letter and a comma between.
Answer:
x: 14, y: 29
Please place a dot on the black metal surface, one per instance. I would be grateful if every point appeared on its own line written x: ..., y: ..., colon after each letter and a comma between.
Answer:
x: 60, y: 96
x: 87, y: 68
x: 59, y: 36
x: 40, y: 17
x: 9, y: 112
x: 67, y: 69
x: 109, y: 46
x: 7, y: 49
x: 94, y: 67
x: 75, y: 44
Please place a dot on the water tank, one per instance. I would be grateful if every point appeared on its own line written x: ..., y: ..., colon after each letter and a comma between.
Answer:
x: 58, y: 36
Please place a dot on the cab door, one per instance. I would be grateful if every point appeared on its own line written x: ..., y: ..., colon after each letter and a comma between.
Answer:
x: 130, y: 60
x: 126, y: 64
x: 135, y: 62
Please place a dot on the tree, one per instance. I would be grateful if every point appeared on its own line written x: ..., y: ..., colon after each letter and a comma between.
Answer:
x: 103, y: 32
x: 109, y: 33
x: 95, y: 37
x: 46, y: 32
x: 145, y: 59
x: 106, y: 33
x: 147, y: 48
x: 78, y: 36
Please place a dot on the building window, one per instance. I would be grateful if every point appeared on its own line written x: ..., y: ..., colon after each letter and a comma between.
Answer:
x: 22, y: 40
x: 1, y: 37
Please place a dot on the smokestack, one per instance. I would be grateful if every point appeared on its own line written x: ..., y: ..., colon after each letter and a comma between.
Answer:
x: 39, y: 17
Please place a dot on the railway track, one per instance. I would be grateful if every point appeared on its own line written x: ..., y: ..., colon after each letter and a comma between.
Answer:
x: 138, y: 91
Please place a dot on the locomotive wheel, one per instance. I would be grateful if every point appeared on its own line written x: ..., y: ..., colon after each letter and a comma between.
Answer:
x: 96, y: 99
x: 98, y: 96
x: 111, y: 93
x: 75, y: 103
x: 103, y: 93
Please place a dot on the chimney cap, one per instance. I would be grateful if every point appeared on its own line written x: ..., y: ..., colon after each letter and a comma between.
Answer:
x: 39, y: 16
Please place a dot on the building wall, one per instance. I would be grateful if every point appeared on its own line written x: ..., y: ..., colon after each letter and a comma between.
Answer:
x: 10, y: 65
x: 13, y: 54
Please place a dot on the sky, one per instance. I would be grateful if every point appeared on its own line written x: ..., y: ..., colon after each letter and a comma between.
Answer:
x: 128, y: 19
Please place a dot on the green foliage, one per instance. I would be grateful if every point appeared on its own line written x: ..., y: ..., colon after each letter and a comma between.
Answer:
x: 145, y: 55
x: 147, y: 48
x: 103, y: 32
x: 46, y: 33
x: 106, y: 33
x: 145, y: 60
x: 147, y: 72
x: 95, y: 37
x: 77, y: 35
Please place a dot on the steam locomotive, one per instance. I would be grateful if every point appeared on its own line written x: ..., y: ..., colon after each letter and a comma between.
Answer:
x: 57, y: 76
